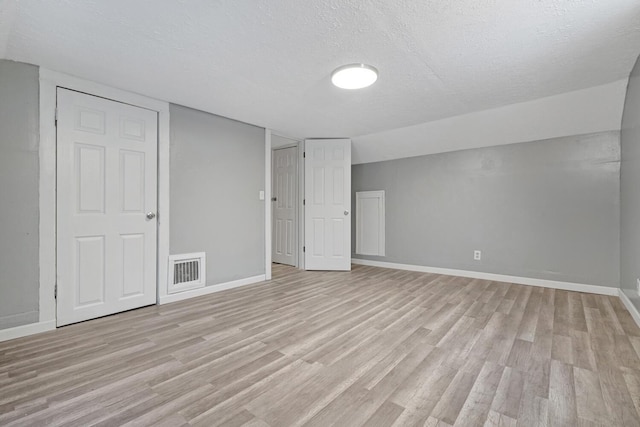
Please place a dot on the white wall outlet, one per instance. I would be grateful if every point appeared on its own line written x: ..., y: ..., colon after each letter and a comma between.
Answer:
x: 261, y: 195
x: 477, y: 255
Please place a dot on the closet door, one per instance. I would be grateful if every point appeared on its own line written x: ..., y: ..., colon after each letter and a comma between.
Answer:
x: 106, y: 206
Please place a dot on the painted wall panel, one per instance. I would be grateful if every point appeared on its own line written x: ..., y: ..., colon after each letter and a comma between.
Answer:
x: 546, y: 209
x: 630, y: 190
x: 19, y: 135
x: 217, y: 170
x: 592, y: 110
x: 133, y: 247
x: 89, y: 280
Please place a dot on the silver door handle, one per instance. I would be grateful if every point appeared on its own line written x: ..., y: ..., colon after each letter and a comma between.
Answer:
x: 151, y: 215
x: 346, y: 213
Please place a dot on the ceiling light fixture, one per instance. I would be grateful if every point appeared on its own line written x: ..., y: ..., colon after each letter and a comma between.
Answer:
x: 354, y: 76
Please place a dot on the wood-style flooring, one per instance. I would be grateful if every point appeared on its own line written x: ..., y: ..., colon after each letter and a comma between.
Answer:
x: 373, y: 347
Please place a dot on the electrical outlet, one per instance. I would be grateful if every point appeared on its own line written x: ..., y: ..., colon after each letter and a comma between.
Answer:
x: 477, y: 255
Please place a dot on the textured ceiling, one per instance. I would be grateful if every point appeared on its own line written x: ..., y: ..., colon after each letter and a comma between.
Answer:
x: 269, y: 62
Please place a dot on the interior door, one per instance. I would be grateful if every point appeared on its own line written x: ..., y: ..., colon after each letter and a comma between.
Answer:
x: 106, y: 206
x: 327, y: 204
x: 285, y: 194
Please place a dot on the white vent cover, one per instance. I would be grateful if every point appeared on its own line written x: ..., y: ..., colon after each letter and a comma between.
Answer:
x: 187, y: 271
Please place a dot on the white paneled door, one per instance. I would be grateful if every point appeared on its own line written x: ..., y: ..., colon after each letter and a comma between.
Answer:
x: 328, y: 204
x: 106, y: 206
x: 285, y: 195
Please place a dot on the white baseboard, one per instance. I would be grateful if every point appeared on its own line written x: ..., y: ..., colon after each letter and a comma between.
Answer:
x: 630, y: 307
x: 25, y: 330
x: 566, y: 286
x: 210, y: 289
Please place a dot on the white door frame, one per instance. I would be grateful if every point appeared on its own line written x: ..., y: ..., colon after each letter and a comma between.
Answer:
x: 267, y: 204
x: 301, y: 205
x: 49, y: 81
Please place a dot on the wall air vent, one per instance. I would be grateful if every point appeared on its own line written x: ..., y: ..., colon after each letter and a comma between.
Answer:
x: 187, y: 271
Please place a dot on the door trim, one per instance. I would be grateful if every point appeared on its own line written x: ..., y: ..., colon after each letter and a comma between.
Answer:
x: 49, y: 82
x: 267, y: 204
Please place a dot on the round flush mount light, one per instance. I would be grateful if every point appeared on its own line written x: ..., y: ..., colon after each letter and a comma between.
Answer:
x: 354, y: 76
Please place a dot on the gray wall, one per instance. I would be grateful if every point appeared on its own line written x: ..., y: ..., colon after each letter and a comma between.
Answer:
x: 545, y: 209
x: 630, y: 189
x: 19, y: 136
x: 217, y: 171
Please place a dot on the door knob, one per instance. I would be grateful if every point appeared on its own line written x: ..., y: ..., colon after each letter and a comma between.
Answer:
x: 151, y: 215
x: 346, y: 212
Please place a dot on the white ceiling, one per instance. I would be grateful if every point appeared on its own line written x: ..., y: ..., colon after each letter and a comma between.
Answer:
x: 269, y: 62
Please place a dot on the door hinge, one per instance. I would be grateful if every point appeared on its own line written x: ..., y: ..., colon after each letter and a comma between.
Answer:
x: 304, y: 154
x: 304, y: 202
x: 55, y: 291
x: 304, y: 249
x: 56, y: 117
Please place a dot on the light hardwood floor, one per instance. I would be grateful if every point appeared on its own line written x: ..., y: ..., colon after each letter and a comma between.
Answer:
x: 372, y: 347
